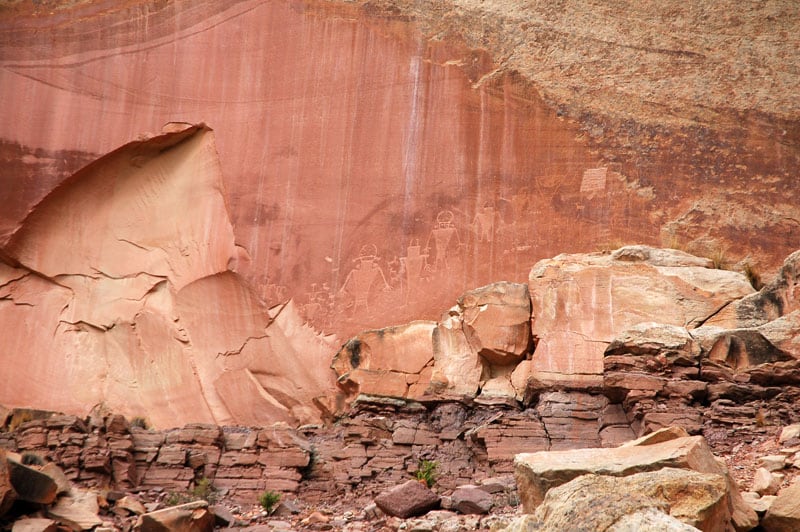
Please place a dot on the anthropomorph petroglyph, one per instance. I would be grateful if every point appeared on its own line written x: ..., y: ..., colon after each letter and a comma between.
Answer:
x: 483, y: 224
x: 363, y: 276
x: 442, y: 235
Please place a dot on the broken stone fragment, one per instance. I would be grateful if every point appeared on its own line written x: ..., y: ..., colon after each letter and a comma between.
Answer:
x: 496, y: 321
x: 784, y: 513
x: 409, y: 499
x: 190, y: 517
x: 537, y: 473
x: 34, y: 524
x: 77, y: 511
x: 31, y: 484
x: 471, y: 500
x: 7, y: 493
x: 696, y: 499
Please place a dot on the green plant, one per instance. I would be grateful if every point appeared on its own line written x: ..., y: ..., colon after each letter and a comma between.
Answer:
x: 426, y: 472
x: 269, y: 501
x: 203, y: 489
x: 175, y: 499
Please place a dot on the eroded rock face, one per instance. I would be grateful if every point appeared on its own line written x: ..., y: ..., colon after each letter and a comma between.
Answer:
x: 582, y: 302
x: 129, y: 265
x: 478, y: 344
x: 449, y: 149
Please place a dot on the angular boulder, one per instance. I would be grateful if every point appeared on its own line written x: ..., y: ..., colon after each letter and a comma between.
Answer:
x: 471, y: 500
x: 537, y: 473
x: 784, y: 514
x: 31, y: 484
x: 409, y: 499
x: 580, y: 303
x: 697, y: 499
x: 34, y: 524
x: 386, y: 362
x: 190, y: 517
x: 77, y: 511
x: 7, y: 493
x: 496, y: 321
x: 778, y: 298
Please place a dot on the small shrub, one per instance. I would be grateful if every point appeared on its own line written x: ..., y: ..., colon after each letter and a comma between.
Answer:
x: 203, y: 489
x: 140, y: 422
x: 720, y: 259
x: 426, y: 472
x: 269, y: 501
x: 29, y: 458
x: 176, y: 499
x: 753, y: 276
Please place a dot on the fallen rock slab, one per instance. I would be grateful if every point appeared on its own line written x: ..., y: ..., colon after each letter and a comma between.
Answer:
x: 471, y: 500
x: 784, y: 513
x: 696, y: 499
x: 7, y: 493
x: 409, y: 499
x: 31, y: 484
x: 34, y: 524
x: 537, y: 473
x: 190, y: 517
x: 77, y: 511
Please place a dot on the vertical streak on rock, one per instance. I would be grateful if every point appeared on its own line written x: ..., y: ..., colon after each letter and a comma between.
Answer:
x: 411, y: 142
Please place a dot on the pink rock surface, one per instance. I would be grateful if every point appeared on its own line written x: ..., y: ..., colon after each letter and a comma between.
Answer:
x: 127, y: 265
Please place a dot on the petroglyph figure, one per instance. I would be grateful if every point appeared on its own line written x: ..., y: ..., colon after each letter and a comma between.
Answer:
x: 413, y: 264
x: 360, y: 280
x: 442, y: 235
x: 484, y: 221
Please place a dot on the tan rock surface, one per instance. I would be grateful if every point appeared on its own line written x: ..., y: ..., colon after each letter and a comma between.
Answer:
x: 582, y: 302
x: 697, y: 499
x: 784, y: 513
x: 537, y: 473
x: 190, y: 517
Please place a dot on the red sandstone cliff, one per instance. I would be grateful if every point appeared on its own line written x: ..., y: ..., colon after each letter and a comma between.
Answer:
x: 377, y: 158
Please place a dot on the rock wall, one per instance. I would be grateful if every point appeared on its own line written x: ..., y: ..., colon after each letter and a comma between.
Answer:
x: 380, y: 157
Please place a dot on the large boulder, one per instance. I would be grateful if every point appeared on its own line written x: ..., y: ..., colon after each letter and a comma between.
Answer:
x: 496, y: 321
x: 779, y: 297
x: 697, y: 499
x: 409, y: 499
x: 78, y: 511
x: 581, y: 303
x: 387, y: 362
x: 537, y: 473
x: 31, y: 484
x: 7, y: 493
x: 784, y: 514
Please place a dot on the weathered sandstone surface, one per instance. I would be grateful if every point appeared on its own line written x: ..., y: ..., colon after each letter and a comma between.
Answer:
x: 381, y: 157
x: 118, y: 288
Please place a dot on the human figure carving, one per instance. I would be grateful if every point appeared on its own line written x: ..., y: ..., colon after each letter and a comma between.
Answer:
x: 442, y: 235
x: 483, y: 223
x: 413, y: 264
x: 359, y: 281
